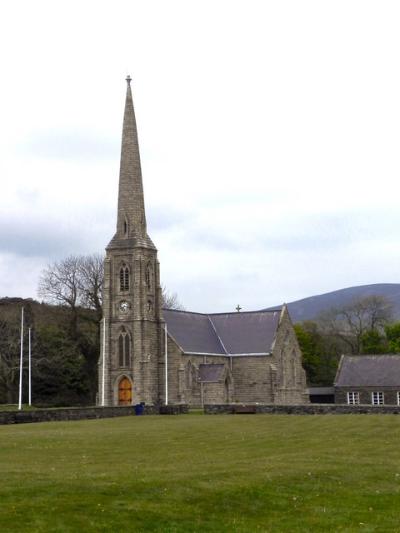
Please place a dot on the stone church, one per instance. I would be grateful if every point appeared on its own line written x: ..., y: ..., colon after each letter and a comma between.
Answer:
x: 160, y: 356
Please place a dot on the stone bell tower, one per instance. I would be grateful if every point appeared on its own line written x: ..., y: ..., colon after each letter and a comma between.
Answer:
x: 131, y: 328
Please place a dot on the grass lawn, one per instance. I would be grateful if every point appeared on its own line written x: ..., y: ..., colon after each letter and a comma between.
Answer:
x: 202, y: 473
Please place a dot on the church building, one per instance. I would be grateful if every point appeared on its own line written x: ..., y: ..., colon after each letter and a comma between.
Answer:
x: 163, y: 356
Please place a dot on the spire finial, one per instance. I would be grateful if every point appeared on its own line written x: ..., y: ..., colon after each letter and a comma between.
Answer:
x: 128, y: 80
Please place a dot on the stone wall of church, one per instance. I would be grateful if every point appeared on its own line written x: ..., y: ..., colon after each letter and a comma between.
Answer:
x: 253, y: 379
x: 141, y: 321
x: 214, y: 393
x: 290, y: 384
x: 278, y: 378
x: 183, y: 384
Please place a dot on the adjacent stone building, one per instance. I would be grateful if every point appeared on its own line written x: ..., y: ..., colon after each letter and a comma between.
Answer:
x: 368, y: 379
x: 163, y: 356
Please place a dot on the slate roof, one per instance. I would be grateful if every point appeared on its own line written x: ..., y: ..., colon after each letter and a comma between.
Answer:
x: 223, y: 333
x: 368, y: 371
x: 211, y: 373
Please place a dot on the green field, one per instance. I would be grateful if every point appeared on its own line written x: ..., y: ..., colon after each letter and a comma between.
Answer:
x: 202, y: 473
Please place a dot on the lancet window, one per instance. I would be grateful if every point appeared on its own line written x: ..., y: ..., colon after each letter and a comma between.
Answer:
x: 124, y: 348
x: 149, y: 275
x: 124, y: 278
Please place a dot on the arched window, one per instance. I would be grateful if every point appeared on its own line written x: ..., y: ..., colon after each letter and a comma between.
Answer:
x: 124, y: 278
x: 190, y: 375
x: 293, y: 369
x: 149, y: 275
x: 125, y: 226
x: 121, y: 350
x: 124, y: 348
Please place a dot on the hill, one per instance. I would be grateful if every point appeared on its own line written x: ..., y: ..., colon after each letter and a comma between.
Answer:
x: 309, y: 308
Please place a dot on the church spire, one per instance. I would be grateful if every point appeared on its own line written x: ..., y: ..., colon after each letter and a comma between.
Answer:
x: 131, y: 221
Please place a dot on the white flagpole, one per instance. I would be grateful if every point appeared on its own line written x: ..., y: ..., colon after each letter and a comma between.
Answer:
x: 30, y: 369
x: 103, y: 379
x: 166, y: 364
x: 21, y: 360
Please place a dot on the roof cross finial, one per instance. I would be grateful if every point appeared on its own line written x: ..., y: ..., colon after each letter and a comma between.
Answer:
x: 128, y: 80
x: 238, y: 308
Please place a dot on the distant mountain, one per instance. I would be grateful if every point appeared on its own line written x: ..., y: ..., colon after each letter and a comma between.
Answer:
x: 309, y: 308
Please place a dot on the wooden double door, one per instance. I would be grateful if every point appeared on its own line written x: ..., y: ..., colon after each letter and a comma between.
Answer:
x: 125, y: 392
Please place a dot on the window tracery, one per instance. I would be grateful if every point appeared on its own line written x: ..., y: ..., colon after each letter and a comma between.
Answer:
x: 124, y: 348
x: 149, y: 275
x: 124, y: 278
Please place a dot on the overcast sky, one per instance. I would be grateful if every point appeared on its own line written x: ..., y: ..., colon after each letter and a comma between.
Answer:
x: 269, y: 135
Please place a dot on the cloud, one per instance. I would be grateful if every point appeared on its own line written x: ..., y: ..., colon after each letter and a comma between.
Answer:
x: 69, y: 145
x: 19, y: 277
x: 49, y: 237
x: 270, y: 185
x: 161, y: 218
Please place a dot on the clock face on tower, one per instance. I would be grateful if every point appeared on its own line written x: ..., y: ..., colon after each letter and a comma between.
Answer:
x: 124, y: 306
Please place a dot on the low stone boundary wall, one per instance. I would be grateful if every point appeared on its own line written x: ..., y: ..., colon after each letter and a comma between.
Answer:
x: 174, y: 409
x: 84, y: 413
x: 309, y: 409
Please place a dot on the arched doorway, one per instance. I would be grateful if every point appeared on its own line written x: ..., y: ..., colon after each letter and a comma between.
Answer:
x: 125, y: 392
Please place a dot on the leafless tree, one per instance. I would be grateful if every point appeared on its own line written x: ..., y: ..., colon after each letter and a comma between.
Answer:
x: 59, y: 284
x: 90, y: 282
x: 170, y: 300
x: 350, y: 322
x: 77, y: 281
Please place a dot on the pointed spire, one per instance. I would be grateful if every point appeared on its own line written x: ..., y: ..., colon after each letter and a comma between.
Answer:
x: 131, y: 213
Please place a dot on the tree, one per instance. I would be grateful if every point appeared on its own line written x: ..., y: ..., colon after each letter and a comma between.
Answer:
x: 59, y: 372
x: 320, y: 353
x: 90, y: 282
x: 76, y: 283
x: 9, y: 360
x: 10, y: 335
x: 352, y: 322
x: 393, y: 337
x: 374, y: 342
x: 59, y: 283
x: 170, y: 300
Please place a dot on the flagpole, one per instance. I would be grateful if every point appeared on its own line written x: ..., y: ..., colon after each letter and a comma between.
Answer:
x: 103, y: 379
x: 21, y: 360
x: 30, y: 369
x: 166, y: 364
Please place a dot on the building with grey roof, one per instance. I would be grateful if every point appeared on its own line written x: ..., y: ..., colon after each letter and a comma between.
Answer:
x: 368, y: 379
x: 250, y: 357
x: 161, y: 356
